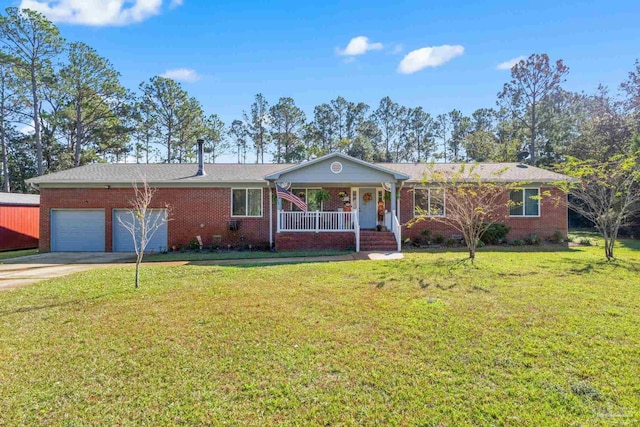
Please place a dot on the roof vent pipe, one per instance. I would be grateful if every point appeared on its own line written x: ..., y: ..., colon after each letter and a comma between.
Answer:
x: 200, y: 158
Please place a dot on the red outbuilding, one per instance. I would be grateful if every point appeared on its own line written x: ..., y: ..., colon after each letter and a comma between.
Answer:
x: 19, y: 221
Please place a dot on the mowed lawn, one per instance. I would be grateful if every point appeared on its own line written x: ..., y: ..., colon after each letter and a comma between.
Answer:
x: 524, y: 337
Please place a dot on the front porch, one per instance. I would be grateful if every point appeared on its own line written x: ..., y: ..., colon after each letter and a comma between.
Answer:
x: 347, y: 199
x: 338, y: 229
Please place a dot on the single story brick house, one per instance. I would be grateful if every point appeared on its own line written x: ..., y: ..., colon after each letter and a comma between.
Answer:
x: 368, y: 208
x: 19, y: 217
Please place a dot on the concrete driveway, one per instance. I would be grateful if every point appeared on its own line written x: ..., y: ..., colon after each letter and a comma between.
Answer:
x: 22, y: 271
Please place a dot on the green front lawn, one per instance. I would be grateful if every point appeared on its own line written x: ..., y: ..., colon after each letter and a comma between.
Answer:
x: 16, y: 254
x: 521, y: 338
x: 224, y: 255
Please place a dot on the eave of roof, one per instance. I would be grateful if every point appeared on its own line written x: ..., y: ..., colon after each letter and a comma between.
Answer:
x: 396, y: 174
x: 19, y: 199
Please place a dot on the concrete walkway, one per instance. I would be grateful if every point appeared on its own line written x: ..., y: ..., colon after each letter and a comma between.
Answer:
x: 16, y: 272
x: 21, y: 271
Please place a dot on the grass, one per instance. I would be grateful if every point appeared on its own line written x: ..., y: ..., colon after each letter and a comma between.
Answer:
x: 223, y: 255
x: 524, y: 337
x: 16, y: 254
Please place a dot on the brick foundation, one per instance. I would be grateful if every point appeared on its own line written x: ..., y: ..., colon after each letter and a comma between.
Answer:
x: 287, y: 241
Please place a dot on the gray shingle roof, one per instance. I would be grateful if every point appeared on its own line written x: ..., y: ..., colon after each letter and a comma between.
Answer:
x: 120, y: 173
x: 127, y: 173
x: 497, y: 172
x: 19, y: 199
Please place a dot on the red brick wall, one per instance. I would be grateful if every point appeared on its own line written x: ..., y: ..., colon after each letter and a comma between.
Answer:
x: 553, y: 216
x: 190, y: 207
x: 294, y: 241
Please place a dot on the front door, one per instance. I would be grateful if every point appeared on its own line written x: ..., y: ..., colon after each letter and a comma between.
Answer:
x: 367, y: 205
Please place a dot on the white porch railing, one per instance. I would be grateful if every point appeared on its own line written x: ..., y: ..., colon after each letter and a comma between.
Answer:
x: 318, y: 222
x: 397, y: 229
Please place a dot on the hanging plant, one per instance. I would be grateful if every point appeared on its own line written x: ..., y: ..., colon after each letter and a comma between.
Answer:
x: 322, y: 196
x: 367, y: 197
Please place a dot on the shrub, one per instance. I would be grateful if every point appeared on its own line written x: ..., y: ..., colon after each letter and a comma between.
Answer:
x: 585, y: 241
x: 439, y: 239
x: 582, y: 241
x: 424, y: 238
x: 517, y: 242
x: 495, y: 234
x: 533, y: 240
x: 557, y: 237
x: 193, y: 245
x: 451, y: 242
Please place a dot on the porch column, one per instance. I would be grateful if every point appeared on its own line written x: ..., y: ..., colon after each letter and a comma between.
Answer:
x: 398, y: 202
x: 278, y: 209
x: 393, y: 197
x: 270, y: 218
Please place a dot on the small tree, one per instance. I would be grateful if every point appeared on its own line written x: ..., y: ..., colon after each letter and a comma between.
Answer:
x: 472, y: 203
x: 142, y: 222
x: 607, y: 193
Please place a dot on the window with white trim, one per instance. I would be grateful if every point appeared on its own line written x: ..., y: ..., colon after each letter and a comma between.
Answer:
x: 308, y: 195
x: 428, y: 202
x: 246, y: 202
x: 525, y: 202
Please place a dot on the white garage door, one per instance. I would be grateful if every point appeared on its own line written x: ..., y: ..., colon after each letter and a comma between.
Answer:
x: 77, y: 230
x: 122, y: 240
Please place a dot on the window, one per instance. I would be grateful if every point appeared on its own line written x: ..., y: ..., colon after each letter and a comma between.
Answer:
x: 428, y: 202
x: 525, y: 202
x: 308, y: 195
x: 246, y: 202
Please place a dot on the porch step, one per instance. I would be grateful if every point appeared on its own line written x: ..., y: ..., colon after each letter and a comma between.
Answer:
x: 383, y: 241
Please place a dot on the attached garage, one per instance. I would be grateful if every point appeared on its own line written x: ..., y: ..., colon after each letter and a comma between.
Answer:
x: 77, y: 230
x: 122, y: 240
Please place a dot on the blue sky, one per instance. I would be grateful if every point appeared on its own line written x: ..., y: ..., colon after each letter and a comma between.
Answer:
x: 292, y: 48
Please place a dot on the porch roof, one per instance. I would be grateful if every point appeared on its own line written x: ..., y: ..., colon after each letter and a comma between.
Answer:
x: 337, y: 168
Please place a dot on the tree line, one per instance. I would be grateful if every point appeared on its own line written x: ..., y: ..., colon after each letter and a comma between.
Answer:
x: 62, y: 105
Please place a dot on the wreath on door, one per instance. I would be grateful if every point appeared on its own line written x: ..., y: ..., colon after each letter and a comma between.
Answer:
x: 367, y: 197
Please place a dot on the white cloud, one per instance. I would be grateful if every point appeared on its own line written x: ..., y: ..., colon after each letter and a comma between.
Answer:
x: 98, y: 12
x: 359, y: 46
x: 432, y: 56
x: 507, y: 65
x: 183, y: 74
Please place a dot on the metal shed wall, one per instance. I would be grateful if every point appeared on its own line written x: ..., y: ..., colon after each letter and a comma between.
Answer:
x: 19, y: 227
